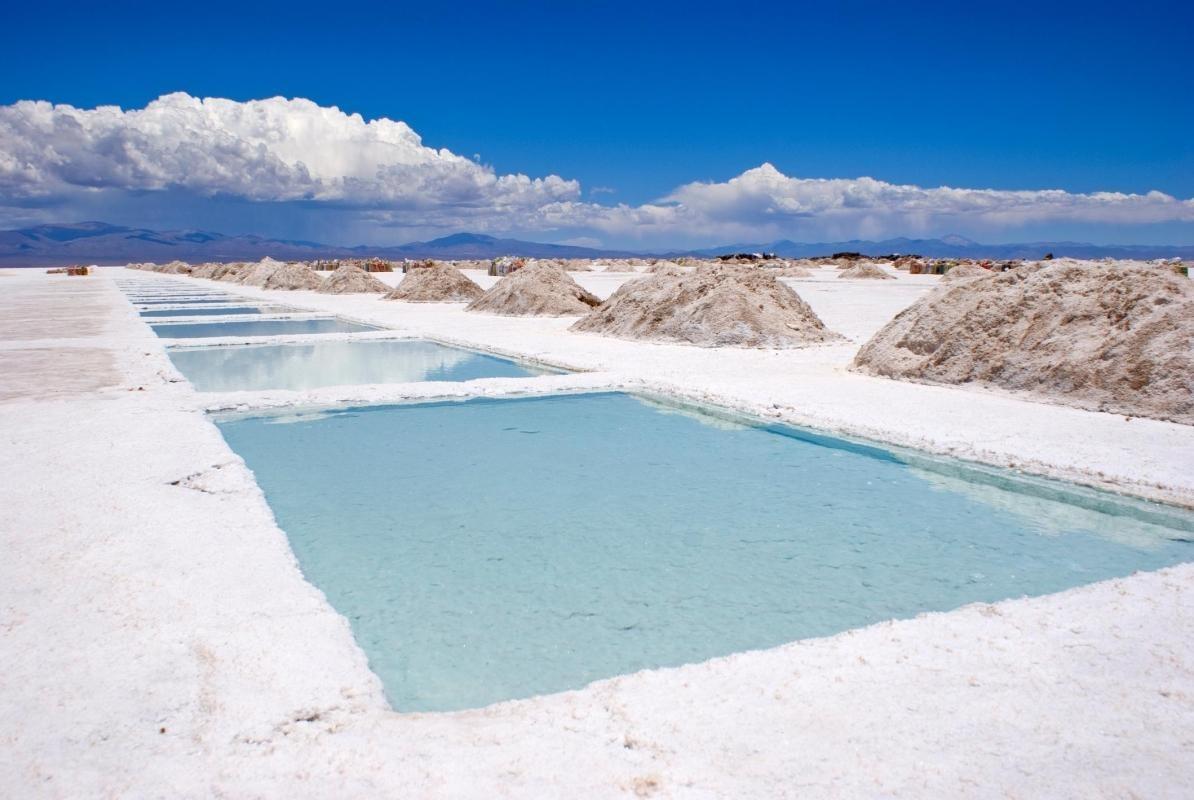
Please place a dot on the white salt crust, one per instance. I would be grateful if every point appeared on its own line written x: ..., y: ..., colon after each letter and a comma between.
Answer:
x: 159, y: 639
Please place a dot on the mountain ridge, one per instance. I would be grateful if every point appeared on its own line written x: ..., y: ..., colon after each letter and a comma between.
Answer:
x: 103, y: 243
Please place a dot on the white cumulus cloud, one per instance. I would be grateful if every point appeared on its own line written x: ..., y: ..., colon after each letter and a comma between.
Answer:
x: 280, y: 151
x: 764, y: 201
x: 765, y: 192
x: 266, y: 150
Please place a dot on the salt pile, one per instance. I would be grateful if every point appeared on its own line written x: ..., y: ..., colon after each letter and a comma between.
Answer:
x: 963, y: 271
x: 540, y: 290
x: 351, y: 279
x: 441, y: 283
x: 228, y: 272
x: 866, y: 271
x: 625, y: 265
x: 793, y: 272
x: 1116, y: 338
x: 204, y: 270
x: 257, y: 274
x: 717, y: 306
x: 292, y: 277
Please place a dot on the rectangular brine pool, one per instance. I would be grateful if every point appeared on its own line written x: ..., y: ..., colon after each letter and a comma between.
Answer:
x: 203, y: 311
x: 171, y: 291
x: 184, y: 301
x: 496, y: 549
x: 310, y: 366
x: 262, y: 327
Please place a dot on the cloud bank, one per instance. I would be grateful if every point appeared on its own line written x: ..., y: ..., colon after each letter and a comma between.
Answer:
x: 281, y: 152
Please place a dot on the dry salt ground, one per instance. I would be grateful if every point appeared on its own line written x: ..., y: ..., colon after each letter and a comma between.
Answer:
x: 159, y: 640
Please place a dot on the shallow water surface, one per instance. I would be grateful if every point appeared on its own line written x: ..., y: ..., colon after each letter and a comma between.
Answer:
x: 184, y: 301
x: 264, y: 327
x: 200, y: 312
x: 488, y: 550
x: 309, y: 366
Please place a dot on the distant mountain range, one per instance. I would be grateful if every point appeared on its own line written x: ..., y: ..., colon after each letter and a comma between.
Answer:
x: 101, y: 243
x: 959, y: 247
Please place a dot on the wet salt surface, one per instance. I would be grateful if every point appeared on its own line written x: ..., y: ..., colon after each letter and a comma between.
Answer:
x: 603, y: 534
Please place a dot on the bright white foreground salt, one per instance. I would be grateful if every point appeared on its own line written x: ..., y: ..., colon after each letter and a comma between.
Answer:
x: 159, y: 640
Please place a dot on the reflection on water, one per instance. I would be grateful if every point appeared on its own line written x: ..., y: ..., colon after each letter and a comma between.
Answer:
x: 723, y: 422
x: 309, y: 366
x: 205, y: 311
x: 187, y: 301
x: 265, y: 327
x: 1051, y: 517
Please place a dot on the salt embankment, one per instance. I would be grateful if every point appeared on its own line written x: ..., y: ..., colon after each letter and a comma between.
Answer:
x: 1116, y: 338
x: 439, y: 283
x: 722, y: 306
x: 540, y: 290
x: 351, y: 279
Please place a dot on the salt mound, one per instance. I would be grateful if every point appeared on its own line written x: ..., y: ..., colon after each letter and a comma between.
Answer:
x: 204, y: 270
x: 1115, y: 338
x: 441, y: 283
x: 793, y: 272
x: 228, y: 272
x: 963, y: 271
x: 716, y: 306
x: 351, y: 279
x: 257, y: 274
x: 864, y: 270
x: 540, y: 290
x: 291, y: 277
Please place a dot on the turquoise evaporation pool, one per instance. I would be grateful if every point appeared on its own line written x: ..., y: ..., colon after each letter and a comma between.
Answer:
x: 310, y: 366
x: 257, y: 327
x: 496, y: 549
x: 186, y: 301
x: 205, y: 311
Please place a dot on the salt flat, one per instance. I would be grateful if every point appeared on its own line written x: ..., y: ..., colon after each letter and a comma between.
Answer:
x: 159, y: 639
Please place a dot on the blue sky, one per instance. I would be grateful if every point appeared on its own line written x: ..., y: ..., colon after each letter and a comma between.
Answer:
x: 634, y: 100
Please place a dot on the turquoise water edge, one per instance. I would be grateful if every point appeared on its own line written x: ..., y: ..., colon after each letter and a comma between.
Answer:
x: 336, y: 363
x: 494, y: 549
